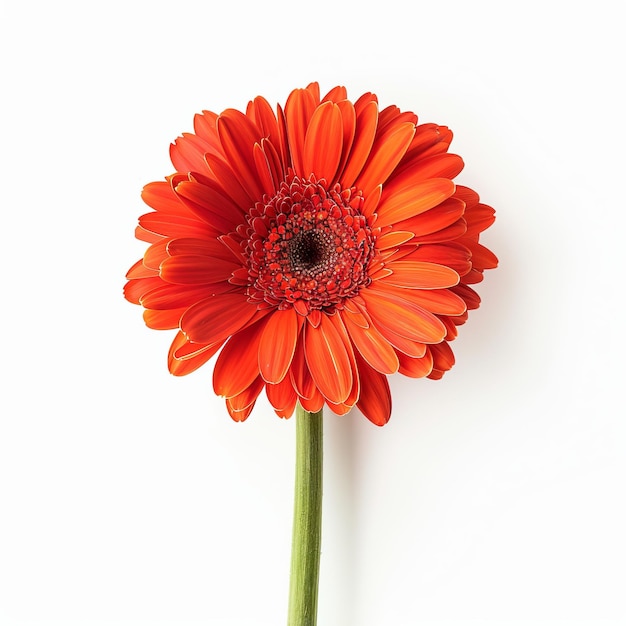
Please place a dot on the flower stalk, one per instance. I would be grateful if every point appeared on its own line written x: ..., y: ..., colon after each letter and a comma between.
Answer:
x: 307, y: 519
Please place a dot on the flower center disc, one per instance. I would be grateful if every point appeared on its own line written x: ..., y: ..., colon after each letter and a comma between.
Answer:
x: 308, y: 246
x: 308, y: 250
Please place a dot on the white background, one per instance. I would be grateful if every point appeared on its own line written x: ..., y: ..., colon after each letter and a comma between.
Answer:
x: 495, y: 496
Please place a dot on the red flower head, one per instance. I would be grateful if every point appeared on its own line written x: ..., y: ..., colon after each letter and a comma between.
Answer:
x: 317, y: 249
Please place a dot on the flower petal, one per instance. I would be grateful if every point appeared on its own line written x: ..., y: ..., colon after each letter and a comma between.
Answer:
x: 314, y: 403
x: 282, y: 397
x: 200, y: 247
x: 261, y: 113
x: 210, y: 205
x: 478, y: 218
x: 371, y: 202
x: 409, y: 347
x: 308, y: 394
x: 314, y: 89
x: 323, y: 142
x: 438, y: 301
x: 135, y: 290
x: 416, y: 368
x: 215, y: 319
x: 436, y: 219
x: 386, y: 153
x: 238, y: 136
x: 299, y: 108
x: 176, y: 225
x: 420, y: 275
x: 168, y: 296
x: 185, y: 357
x: 139, y: 270
x: 225, y: 176
x: 156, y: 254
x: 482, y: 257
x: 205, y: 126
x: 187, y: 153
x: 393, y: 239
x: 196, y: 270
x: 161, y: 197
x: 406, y: 202
x: 469, y: 296
x: 237, y: 365
x: 263, y: 168
x: 240, y: 406
x: 426, y: 136
x: 328, y: 360
x: 278, y: 344
x: 467, y: 195
x: 372, y: 346
x: 348, y: 119
x: 145, y: 235
x: 344, y: 407
x: 375, y: 398
x: 449, y: 233
x: 444, y: 165
x: 402, y: 317
x: 336, y: 94
x: 163, y: 320
x: 443, y: 357
x: 366, y: 124
x: 454, y: 255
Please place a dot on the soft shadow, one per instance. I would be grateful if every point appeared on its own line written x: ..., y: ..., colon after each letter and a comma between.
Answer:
x: 339, y: 539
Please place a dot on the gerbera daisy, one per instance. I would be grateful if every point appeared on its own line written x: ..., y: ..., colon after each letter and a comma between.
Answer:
x: 318, y: 248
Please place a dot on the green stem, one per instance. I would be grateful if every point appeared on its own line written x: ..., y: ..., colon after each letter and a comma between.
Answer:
x: 307, y: 520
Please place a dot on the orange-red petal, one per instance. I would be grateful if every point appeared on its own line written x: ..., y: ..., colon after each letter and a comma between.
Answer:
x: 240, y: 406
x: 205, y: 126
x: 405, y: 202
x: 167, y: 319
x: 482, y: 257
x: 328, y: 360
x: 200, y: 247
x: 416, y: 368
x: 420, y: 275
x: 139, y: 270
x: 237, y: 365
x: 278, y: 344
x: 385, y: 155
x: 375, y: 397
x: 176, y: 225
x: 372, y: 346
x: 135, y: 290
x: 443, y: 357
x: 323, y: 142
x: 167, y: 296
x: 402, y: 316
x: 196, y: 270
x: 299, y: 108
x: 161, y: 197
x: 209, y: 204
x: 238, y: 135
x: 393, y: 239
x: 225, y: 176
x: 454, y: 255
x: 216, y: 318
x: 444, y: 165
x: 366, y: 124
x: 187, y: 153
x: 282, y: 397
x: 185, y: 357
